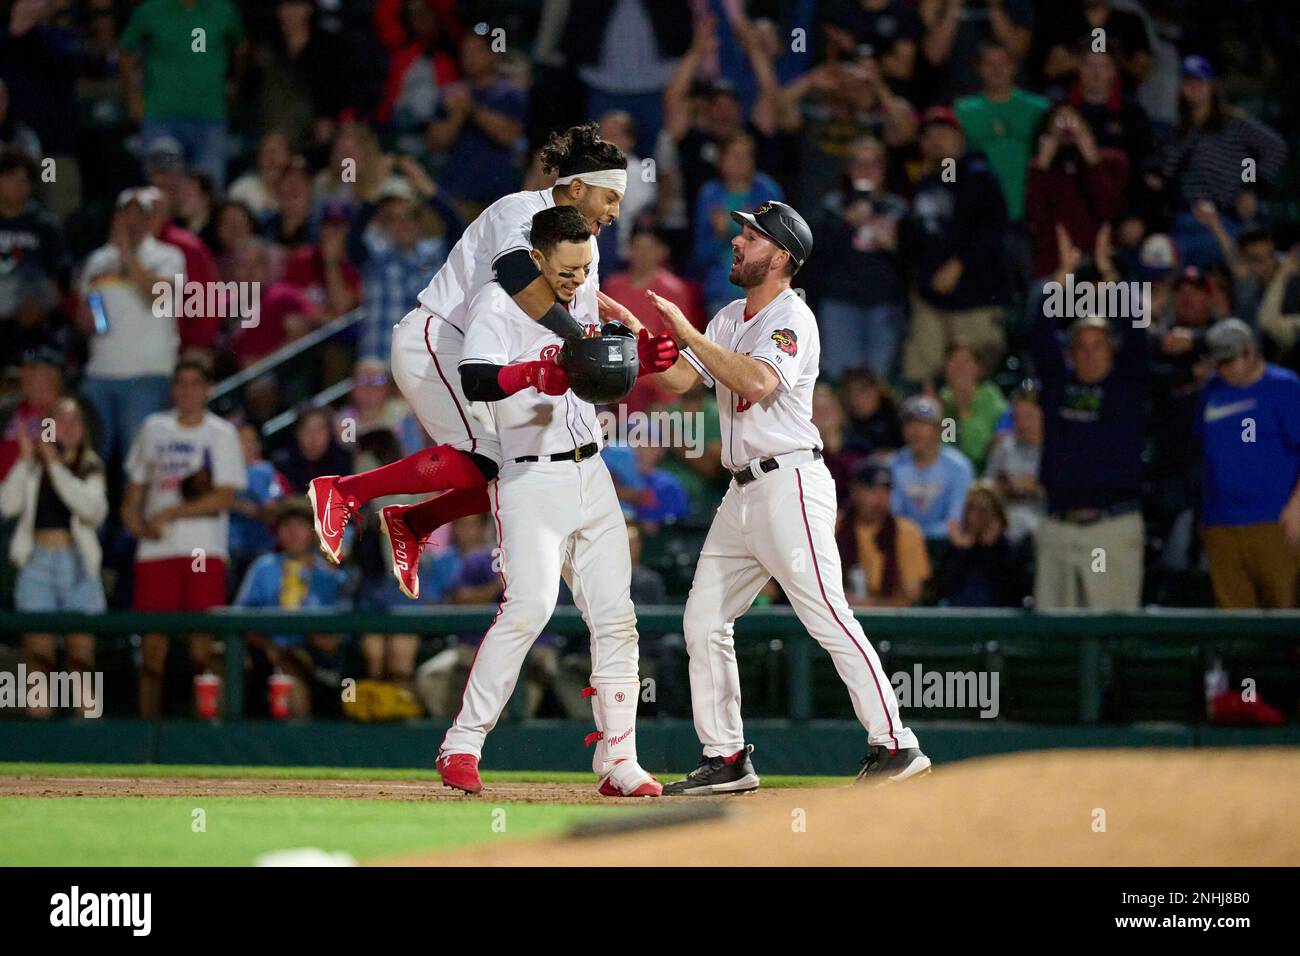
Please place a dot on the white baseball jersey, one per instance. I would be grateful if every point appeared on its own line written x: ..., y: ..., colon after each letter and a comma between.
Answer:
x: 780, y: 525
x: 528, y: 422
x: 783, y: 334
x: 501, y: 228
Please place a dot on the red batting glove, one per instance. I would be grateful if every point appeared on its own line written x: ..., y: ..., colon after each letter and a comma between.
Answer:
x: 547, y: 377
x: 658, y: 353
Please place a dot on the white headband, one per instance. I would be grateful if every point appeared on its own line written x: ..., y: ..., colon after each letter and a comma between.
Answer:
x: 609, y: 178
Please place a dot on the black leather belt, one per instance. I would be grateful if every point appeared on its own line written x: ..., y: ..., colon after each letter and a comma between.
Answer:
x: 1087, y: 516
x: 573, y: 454
x: 746, y: 475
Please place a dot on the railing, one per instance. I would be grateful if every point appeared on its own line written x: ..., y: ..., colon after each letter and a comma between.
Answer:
x: 1088, y: 631
x: 226, y: 392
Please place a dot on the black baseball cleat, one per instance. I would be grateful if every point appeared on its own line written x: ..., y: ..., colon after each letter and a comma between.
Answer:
x: 881, y: 766
x: 717, y: 775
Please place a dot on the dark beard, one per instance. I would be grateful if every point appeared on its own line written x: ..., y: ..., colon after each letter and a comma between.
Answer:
x: 750, y: 273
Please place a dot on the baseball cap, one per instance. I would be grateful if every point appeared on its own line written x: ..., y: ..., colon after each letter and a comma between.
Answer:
x: 164, y: 153
x: 396, y: 187
x: 1195, y: 276
x: 1089, y: 322
x: 144, y: 197
x: 1158, y: 255
x: 1199, y: 67
x: 940, y: 114
x: 42, y: 354
x: 783, y: 225
x: 874, y: 474
x: 336, y: 210
x: 1227, y: 339
x: 922, y: 408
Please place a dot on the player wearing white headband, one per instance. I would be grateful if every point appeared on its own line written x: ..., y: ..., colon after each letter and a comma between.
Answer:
x: 592, y: 176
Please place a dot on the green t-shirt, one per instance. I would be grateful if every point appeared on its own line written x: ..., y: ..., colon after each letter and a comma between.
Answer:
x: 1005, y: 132
x: 178, y: 81
x: 975, y: 433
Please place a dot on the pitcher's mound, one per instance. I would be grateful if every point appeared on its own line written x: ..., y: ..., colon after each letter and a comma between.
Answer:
x: 1079, y: 807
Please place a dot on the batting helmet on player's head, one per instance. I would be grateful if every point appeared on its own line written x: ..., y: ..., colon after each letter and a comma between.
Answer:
x: 783, y: 225
x: 601, y: 369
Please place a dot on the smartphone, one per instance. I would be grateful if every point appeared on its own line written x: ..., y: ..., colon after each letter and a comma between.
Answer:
x: 96, y: 302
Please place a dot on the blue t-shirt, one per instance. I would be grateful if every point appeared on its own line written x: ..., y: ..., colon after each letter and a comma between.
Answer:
x: 478, y: 169
x: 249, y: 536
x: 1250, y: 481
x: 670, y: 501
x: 265, y: 578
x: 931, y: 495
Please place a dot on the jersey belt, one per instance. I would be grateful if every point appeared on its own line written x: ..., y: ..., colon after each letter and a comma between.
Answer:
x: 757, y: 469
x: 573, y: 454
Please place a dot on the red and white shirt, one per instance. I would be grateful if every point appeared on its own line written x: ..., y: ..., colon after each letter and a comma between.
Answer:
x: 162, y: 456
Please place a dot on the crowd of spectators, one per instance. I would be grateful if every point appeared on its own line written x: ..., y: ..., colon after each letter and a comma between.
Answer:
x: 974, y: 172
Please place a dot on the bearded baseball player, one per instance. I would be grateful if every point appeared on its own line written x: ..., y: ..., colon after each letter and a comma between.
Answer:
x: 427, y: 344
x: 777, y: 519
x: 556, y: 510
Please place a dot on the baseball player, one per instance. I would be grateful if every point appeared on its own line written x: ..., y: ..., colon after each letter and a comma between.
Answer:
x: 427, y: 347
x: 777, y: 518
x: 557, y: 515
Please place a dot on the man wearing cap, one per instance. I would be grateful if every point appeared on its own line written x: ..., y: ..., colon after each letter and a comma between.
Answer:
x: 930, y: 478
x: 1207, y: 157
x: 954, y: 239
x: 777, y: 519
x: 1094, y: 397
x: 133, y: 334
x: 1249, y: 423
x: 885, y: 560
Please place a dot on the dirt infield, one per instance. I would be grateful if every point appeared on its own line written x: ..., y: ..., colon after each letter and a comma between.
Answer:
x: 39, y: 786
x: 1092, y: 808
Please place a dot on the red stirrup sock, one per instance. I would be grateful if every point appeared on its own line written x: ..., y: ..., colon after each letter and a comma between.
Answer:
x: 430, y: 469
x: 428, y: 516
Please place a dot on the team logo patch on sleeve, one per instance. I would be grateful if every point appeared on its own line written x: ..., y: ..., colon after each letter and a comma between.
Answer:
x: 786, y: 341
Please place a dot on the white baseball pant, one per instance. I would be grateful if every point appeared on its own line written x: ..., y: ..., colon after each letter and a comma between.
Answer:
x: 426, y: 352
x: 782, y: 525
x: 553, y: 519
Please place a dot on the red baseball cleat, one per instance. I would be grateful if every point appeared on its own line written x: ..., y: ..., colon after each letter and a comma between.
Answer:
x: 331, y: 512
x: 627, y: 779
x: 405, y: 548
x: 459, y: 771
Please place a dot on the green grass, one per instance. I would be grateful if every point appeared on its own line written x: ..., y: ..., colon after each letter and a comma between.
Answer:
x: 158, y: 831
x: 209, y: 771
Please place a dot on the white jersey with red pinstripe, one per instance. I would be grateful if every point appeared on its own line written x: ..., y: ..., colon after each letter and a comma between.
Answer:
x: 428, y: 342
x: 780, y: 524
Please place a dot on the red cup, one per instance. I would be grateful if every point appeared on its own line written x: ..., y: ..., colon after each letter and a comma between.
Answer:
x: 278, y: 688
x: 206, y: 688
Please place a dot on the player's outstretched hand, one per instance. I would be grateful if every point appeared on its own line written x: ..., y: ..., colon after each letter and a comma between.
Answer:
x: 611, y: 310
x: 678, y: 325
x: 658, y: 353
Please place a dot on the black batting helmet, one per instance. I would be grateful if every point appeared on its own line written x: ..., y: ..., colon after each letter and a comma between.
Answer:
x: 604, y: 368
x: 783, y: 225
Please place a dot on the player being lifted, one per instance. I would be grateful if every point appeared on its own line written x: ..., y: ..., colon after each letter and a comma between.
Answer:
x: 592, y: 177
x: 777, y: 519
x: 557, y: 515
